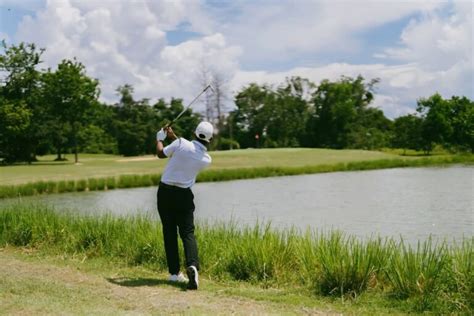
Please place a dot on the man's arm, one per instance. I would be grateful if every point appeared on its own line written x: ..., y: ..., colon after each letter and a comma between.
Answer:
x: 159, y: 149
x: 159, y: 144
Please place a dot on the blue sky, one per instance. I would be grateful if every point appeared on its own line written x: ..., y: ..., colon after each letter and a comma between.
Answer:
x: 416, y: 47
x: 9, y: 19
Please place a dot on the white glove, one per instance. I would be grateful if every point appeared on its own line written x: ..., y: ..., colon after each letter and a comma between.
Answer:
x: 161, y: 135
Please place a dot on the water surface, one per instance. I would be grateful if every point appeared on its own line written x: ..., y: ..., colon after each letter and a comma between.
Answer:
x: 408, y: 202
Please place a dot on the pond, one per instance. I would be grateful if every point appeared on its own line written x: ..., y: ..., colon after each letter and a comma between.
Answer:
x: 409, y: 202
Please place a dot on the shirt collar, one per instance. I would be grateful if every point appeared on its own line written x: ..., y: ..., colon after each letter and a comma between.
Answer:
x: 200, y: 145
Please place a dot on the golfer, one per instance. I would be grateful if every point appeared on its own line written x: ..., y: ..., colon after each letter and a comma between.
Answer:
x: 175, y: 198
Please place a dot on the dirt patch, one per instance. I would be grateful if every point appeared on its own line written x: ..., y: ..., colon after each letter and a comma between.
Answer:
x: 122, y: 294
x: 136, y: 159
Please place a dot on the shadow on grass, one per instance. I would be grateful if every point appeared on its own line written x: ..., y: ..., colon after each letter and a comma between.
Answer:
x: 419, y: 155
x: 53, y: 163
x: 37, y: 163
x: 136, y: 282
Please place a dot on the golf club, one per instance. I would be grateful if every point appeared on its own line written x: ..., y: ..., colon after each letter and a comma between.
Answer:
x: 189, y: 105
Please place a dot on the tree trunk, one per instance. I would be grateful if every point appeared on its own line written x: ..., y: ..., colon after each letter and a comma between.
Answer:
x: 58, y: 158
x: 76, y: 158
x: 231, y: 133
x: 30, y: 159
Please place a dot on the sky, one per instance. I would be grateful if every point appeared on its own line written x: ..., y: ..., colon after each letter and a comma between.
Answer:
x: 163, y: 48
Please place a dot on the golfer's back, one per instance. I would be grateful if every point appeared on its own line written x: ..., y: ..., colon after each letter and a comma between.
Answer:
x: 186, y: 160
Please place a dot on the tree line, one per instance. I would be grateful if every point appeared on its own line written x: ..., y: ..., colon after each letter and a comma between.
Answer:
x: 58, y: 111
x: 337, y: 114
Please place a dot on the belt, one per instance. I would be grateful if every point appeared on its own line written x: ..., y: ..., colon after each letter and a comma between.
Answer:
x: 172, y: 187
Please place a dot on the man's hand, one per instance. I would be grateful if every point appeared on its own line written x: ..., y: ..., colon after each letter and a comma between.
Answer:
x: 161, y: 135
x: 169, y: 132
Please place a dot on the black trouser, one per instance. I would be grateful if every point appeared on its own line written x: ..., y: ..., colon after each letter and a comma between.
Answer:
x: 176, y: 209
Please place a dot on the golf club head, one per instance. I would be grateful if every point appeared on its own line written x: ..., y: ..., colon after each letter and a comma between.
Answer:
x: 211, y: 88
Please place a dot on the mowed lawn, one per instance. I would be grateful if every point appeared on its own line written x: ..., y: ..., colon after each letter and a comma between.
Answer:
x: 97, y: 166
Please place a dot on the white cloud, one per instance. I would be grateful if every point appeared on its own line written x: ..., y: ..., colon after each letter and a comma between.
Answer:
x: 437, y: 42
x: 434, y: 55
x: 283, y: 30
x: 125, y: 42
x: 398, y: 90
x: 391, y: 106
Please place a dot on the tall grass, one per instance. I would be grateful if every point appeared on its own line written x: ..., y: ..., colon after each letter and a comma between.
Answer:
x: 431, y: 276
x: 460, y: 294
x: 348, y: 266
x: 136, y: 240
x: 414, y: 271
x: 143, y: 180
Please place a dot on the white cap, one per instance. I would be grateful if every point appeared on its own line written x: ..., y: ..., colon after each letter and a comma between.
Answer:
x: 204, y: 131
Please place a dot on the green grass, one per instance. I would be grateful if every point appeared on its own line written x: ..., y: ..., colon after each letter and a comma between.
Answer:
x: 38, y: 295
x: 230, y: 165
x: 430, y: 277
x: 37, y: 282
x: 103, y: 166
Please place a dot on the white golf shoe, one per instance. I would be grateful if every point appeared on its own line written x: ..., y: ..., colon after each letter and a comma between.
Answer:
x: 177, y: 278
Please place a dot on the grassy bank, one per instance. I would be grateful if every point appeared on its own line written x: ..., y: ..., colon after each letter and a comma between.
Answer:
x: 430, y: 277
x: 33, y: 282
x: 103, y: 166
x: 221, y: 174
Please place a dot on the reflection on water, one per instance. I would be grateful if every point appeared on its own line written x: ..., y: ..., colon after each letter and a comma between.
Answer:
x: 412, y: 202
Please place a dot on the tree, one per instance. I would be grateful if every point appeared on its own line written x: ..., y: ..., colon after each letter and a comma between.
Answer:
x: 215, y: 103
x: 205, y: 79
x: 136, y: 122
x: 370, y: 130
x: 21, y: 116
x: 462, y: 121
x: 14, y: 123
x: 447, y: 122
x: 288, y: 113
x: 98, y: 135
x: 337, y: 107
x: 436, y: 128
x: 131, y: 120
x: 272, y: 117
x: 407, y: 132
x: 69, y: 94
x: 219, y: 84
x: 95, y: 140
x: 166, y: 112
x: 249, y: 119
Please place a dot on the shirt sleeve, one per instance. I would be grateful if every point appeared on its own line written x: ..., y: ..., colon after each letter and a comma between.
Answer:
x: 171, y: 148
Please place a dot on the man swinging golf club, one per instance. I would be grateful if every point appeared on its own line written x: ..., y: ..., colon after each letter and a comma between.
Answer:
x: 175, y: 198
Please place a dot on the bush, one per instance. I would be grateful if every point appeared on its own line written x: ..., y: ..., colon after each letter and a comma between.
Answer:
x: 81, y: 185
x: 92, y: 184
x: 227, y: 144
x: 110, y: 183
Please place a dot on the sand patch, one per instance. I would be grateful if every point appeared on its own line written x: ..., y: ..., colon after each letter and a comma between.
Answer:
x: 136, y: 159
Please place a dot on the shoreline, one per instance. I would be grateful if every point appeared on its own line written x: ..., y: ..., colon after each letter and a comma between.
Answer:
x: 222, y: 174
x: 325, y: 265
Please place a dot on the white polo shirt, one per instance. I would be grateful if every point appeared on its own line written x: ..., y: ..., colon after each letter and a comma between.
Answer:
x: 186, y: 160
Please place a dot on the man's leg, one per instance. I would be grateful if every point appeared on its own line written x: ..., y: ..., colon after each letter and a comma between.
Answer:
x: 186, y: 232
x: 185, y: 223
x: 170, y: 234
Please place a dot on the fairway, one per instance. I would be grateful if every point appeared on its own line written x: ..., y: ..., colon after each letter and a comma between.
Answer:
x: 98, y: 166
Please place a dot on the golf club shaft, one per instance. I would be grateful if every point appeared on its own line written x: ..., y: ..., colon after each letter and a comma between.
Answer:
x: 188, y: 106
